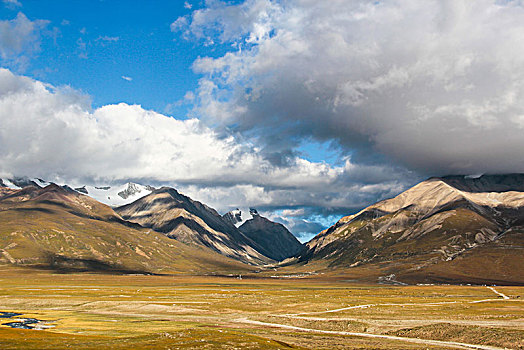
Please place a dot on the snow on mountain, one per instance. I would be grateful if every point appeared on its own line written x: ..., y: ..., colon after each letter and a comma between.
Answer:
x: 237, y: 218
x: 20, y: 182
x: 7, y: 183
x: 111, y: 195
x: 116, y: 196
x: 40, y: 182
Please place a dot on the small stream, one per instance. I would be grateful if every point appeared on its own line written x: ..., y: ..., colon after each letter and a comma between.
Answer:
x: 23, y: 322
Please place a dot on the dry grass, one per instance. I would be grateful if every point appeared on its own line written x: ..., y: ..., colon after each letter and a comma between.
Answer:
x: 96, y: 311
x: 507, y: 338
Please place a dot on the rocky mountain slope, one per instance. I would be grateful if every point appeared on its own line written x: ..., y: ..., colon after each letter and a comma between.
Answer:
x: 275, y: 239
x: 179, y: 217
x: 203, y: 231
x: 444, y: 229
x: 58, y: 228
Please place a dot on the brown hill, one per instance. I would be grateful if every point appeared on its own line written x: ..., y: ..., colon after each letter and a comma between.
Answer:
x: 274, y: 238
x: 191, y: 222
x: 57, y: 228
x: 451, y: 229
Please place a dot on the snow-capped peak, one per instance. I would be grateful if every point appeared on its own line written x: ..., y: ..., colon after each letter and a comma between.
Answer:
x: 116, y: 195
x: 7, y: 183
x: 40, y: 182
x: 237, y: 218
x: 110, y: 195
x: 17, y: 183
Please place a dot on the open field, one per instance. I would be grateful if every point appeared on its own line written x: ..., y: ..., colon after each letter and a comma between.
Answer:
x: 178, y: 312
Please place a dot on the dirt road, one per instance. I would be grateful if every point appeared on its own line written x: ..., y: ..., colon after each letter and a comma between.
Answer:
x: 448, y: 344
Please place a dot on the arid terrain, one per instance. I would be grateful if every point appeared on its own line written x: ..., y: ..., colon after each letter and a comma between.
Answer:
x: 168, y: 272
x: 87, y: 311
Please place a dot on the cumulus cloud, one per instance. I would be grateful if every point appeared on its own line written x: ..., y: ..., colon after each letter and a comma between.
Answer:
x: 53, y: 133
x: 437, y: 86
x: 20, y: 40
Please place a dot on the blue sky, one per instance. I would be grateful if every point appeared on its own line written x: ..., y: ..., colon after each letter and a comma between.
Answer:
x: 307, y: 110
x: 121, y: 38
x: 124, y: 51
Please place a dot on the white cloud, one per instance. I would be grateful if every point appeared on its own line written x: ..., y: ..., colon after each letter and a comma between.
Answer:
x: 20, y: 40
x: 434, y: 85
x: 180, y: 23
x: 117, y: 142
x: 127, y: 78
x: 12, y: 3
x: 187, y: 5
x: 54, y: 134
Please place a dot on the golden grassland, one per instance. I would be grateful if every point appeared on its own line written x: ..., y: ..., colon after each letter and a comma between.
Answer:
x: 91, y: 311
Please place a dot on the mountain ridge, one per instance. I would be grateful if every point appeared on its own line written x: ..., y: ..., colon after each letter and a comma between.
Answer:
x: 178, y: 216
x: 433, y: 222
x: 60, y: 229
x: 116, y: 195
x: 275, y: 239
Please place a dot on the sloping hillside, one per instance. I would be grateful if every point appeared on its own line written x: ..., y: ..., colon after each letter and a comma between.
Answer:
x: 443, y: 229
x: 179, y: 217
x: 57, y: 228
x: 274, y: 238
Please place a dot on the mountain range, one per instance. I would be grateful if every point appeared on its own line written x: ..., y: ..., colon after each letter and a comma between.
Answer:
x: 164, y: 211
x: 179, y: 217
x: 274, y: 238
x: 453, y: 229
x: 449, y: 229
x: 111, y: 195
x: 58, y: 228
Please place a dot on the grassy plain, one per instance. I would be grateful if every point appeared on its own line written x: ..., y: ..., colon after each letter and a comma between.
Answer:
x: 93, y: 311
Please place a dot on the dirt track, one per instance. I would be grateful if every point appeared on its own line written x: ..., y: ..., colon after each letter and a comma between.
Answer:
x: 451, y: 344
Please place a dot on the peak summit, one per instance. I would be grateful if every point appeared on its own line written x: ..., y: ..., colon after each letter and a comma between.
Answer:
x: 238, y: 218
x: 439, y: 226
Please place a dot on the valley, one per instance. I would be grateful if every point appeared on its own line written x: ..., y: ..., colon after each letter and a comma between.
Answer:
x: 437, y: 267
x: 261, y: 174
x: 87, y: 311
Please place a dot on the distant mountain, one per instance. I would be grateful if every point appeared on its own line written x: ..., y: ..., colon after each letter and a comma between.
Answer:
x: 450, y: 229
x: 111, y: 195
x: 179, y: 217
x: 237, y: 217
x: 275, y: 239
x: 58, y: 228
x: 116, y: 195
x: 234, y: 217
x: 21, y: 182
